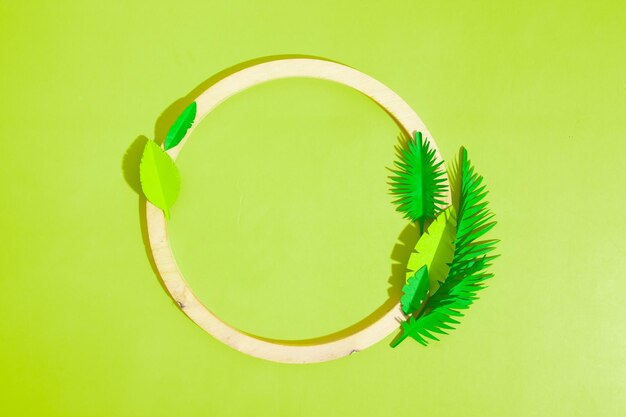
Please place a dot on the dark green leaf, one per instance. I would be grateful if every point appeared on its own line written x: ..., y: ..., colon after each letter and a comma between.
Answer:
x: 418, y: 181
x: 415, y: 291
x: 180, y: 126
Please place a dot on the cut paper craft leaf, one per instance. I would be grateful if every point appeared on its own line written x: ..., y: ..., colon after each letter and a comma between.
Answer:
x: 455, y: 182
x: 180, y: 126
x: 471, y: 257
x: 468, y: 271
x: 418, y: 181
x: 435, y: 249
x: 160, y: 180
x: 415, y: 291
x: 425, y: 326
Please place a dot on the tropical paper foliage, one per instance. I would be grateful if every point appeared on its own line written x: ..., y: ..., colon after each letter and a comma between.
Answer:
x: 415, y: 291
x: 179, y: 128
x: 418, y: 181
x: 160, y: 180
x: 468, y: 270
x: 435, y: 248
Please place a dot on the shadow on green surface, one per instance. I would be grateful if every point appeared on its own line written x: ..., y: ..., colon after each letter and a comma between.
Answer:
x: 170, y: 114
x: 130, y: 167
x: 399, y: 256
x: 130, y: 163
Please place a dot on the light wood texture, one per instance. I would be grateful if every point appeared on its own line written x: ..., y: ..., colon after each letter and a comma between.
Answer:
x: 157, y: 228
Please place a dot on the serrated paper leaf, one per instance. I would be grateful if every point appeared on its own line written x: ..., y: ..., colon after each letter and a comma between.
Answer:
x: 414, y: 293
x: 179, y: 128
x: 160, y: 180
x: 471, y: 256
x: 418, y: 181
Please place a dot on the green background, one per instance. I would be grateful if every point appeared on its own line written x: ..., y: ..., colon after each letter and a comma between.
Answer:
x: 284, y: 226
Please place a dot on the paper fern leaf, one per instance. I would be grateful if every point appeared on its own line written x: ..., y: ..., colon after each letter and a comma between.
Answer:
x: 418, y: 181
x: 180, y: 127
x: 415, y: 291
x: 468, y: 270
x: 160, y: 180
x: 424, y: 327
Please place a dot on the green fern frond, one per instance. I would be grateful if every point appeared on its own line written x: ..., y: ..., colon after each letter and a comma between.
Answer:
x: 468, y: 270
x: 419, y: 181
x: 426, y: 326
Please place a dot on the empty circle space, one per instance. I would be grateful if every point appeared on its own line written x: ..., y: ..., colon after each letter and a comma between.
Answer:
x: 284, y: 226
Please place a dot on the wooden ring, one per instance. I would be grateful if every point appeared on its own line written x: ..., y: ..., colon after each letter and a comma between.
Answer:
x: 280, y: 351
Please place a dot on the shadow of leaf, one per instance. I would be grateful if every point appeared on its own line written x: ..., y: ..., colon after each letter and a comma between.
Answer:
x: 130, y: 163
x: 400, y: 257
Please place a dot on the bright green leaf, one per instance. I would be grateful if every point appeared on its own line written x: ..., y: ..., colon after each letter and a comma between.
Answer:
x: 435, y: 248
x: 160, y: 180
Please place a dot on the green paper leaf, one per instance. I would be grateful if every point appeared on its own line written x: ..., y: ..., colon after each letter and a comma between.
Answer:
x: 423, y: 327
x: 415, y: 291
x: 180, y: 126
x: 468, y: 270
x: 418, y: 181
x: 435, y: 248
x: 160, y: 180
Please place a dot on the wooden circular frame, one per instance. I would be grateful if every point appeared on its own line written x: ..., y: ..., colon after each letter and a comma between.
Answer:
x: 279, y: 351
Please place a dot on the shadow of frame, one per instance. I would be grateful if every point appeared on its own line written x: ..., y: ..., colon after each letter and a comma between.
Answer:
x: 170, y: 114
